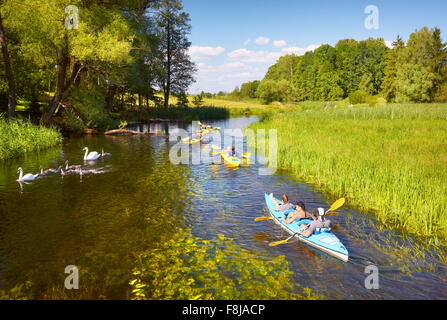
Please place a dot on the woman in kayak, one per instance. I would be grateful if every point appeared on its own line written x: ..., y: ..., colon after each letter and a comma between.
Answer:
x: 318, y: 223
x: 286, y: 206
x: 299, y: 214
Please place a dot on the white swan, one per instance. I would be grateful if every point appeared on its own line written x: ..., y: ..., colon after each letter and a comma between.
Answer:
x: 92, y: 156
x: 27, y: 177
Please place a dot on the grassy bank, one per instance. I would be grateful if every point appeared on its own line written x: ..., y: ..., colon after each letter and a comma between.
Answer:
x: 19, y: 137
x: 251, y: 107
x: 391, y: 160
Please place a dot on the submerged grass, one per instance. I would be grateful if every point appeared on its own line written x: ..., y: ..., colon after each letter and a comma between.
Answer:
x: 391, y: 160
x: 19, y: 137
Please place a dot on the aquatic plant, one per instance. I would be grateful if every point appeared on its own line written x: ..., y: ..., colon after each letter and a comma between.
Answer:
x: 188, y: 268
x: 19, y: 137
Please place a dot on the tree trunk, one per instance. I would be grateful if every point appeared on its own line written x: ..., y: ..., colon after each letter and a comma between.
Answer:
x: 140, y: 102
x: 60, y: 87
x: 110, y: 97
x: 9, y: 72
x: 167, y: 89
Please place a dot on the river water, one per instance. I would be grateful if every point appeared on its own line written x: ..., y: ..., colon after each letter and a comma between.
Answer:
x: 96, y: 221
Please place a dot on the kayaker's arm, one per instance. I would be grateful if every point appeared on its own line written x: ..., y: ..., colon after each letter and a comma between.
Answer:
x: 292, y: 218
x: 306, y: 233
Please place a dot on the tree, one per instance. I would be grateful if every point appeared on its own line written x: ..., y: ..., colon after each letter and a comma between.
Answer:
x: 416, y: 75
x: 198, y: 100
x: 438, y: 63
x: 389, y: 82
x: 177, y: 69
x: 248, y: 89
x: 182, y: 100
x: 271, y: 90
x: 8, y: 70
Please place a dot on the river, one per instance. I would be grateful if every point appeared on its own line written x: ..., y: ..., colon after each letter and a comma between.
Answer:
x: 96, y: 221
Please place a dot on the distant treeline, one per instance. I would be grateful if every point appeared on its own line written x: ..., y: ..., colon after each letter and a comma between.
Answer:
x: 415, y: 71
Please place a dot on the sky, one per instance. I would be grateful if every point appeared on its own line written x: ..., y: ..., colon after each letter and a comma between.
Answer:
x: 235, y: 41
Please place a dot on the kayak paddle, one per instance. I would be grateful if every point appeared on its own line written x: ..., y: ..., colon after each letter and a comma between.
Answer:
x: 338, y: 204
x: 263, y: 219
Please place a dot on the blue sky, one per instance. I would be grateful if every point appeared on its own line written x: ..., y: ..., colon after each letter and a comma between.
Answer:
x: 234, y: 41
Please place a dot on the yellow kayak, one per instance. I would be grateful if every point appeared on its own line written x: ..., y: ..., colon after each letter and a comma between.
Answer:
x: 230, y: 161
x: 191, y: 141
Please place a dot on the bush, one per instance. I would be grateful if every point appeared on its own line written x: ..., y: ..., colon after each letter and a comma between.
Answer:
x: 358, y: 97
x: 198, y: 100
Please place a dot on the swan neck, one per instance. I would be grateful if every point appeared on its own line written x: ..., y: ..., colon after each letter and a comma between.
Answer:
x: 86, y: 154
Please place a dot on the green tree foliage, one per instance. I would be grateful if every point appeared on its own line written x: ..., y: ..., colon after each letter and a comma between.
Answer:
x: 198, y: 100
x: 415, y: 75
x: 415, y: 71
x: 182, y: 100
x: 115, y: 59
x: 389, y: 83
x: 272, y: 90
x: 248, y: 90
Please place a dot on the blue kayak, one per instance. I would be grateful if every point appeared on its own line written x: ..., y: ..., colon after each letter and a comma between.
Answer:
x: 323, y: 240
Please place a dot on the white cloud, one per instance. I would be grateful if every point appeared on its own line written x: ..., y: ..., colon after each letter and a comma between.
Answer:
x: 262, y: 41
x: 279, y: 43
x: 389, y: 44
x: 245, y: 55
x: 225, y: 76
x: 198, y: 53
x: 300, y: 51
x: 247, y: 42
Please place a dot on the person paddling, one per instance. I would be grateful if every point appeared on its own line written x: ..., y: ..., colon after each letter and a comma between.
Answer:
x: 285, y: 206
x: 319, y: 223
x: 299, y: 214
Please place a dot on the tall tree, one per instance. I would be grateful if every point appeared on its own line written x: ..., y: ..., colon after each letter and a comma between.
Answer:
x: 438, y: 62
x: 389, y: 82
x: 9, y: 72
x: 173, y: 29
x: 415, y: 75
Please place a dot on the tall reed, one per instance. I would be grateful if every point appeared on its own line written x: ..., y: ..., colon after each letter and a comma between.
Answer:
x: 391, y: 160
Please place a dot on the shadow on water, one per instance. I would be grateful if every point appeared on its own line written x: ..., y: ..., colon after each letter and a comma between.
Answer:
x: 101, y: 222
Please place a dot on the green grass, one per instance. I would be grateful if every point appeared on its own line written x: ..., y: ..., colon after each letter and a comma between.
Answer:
x: 390, y: 160
x: 19, y: 137
x: 251, y: 107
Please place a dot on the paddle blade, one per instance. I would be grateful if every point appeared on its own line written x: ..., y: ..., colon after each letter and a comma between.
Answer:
x: 263, y: 219
x: 333, y: 214
x: 214, y: 153
x: 246, y: 155
x: 215, y: 147
x: 338, y: 204
x: 275, y: 244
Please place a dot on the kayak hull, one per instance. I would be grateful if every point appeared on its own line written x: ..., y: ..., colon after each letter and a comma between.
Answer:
x: 326, y: 242
x: 230, y: 161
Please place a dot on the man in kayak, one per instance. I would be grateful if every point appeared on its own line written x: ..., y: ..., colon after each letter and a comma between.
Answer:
x: 318, y: 223
x: 299, y: 214
x: 286, y: 206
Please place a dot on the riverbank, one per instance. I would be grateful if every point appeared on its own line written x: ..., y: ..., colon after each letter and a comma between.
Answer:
x: 19, y: 137
x: 389, y: 160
